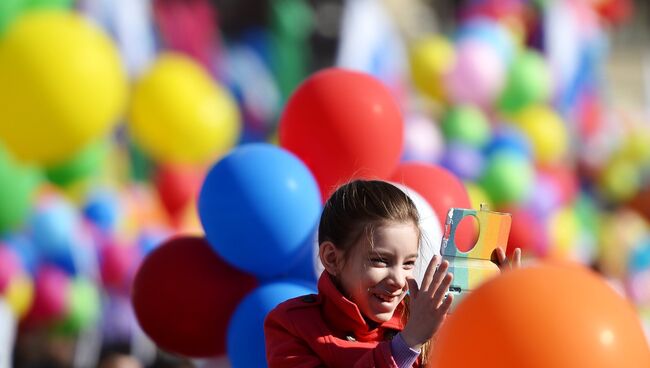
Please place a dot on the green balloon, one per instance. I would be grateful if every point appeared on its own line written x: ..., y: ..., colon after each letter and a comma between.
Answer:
x: 141, y: 166
x: 16, y: 192
x: 47, y: 4
x: 9, y: 10
x: 12, y: 9
x: 291, y: 23
x: 528, y: 82
x: 84, y: 307
x: 508, y: 178
x: 466, y: 124
x: 85, y: 164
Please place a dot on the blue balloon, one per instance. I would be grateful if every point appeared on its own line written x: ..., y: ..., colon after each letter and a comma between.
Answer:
x: 102, y: 209
x: 53, y: 227
x: 463, y: 160
x: 23, y: 247
x: 259, y: 206
x: 245, y: 339
x: 510, y: 139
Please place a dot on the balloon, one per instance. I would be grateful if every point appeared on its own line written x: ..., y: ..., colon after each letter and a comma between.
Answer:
x: 490, y: 32
x: 102, y: 209
x: 53, y: 228
x: 422, y: 139
x: 343, y: 125
x: 542, y: 316
x: 51, y: 290
x: 246, y: 346
x: 177, y: 187
x: 506, y: 137
x: 528, y: 82
x: 477, y: 75
x: 16, y: 193
x: 117, y: 263
x: 527, y: 232
x: 83, y: 307
x: 259, y: 206
x: 464, y: 161
x: 442, y: 190
x: 546, y: 132
x: 62, y: 85
x: 9, y: 266
x: 180, y: 114
x: 12, y: 9
x: 430, y: 59
x: 508, y: 178
x: 85, y: 163
x: 466, y: 124
x: 20, y: 294
x: 477, y: 195
x: 184, y: 294
x: 620, y: 180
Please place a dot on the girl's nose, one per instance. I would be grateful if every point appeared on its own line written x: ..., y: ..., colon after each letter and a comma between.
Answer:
x: 397, y: 277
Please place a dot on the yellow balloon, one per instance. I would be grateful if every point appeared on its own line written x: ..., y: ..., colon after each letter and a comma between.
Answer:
x: 430, y: 59
x: 546, y: 132
x: 620, y: 233
x: 477, y: 195
x: 564, y: 232
x: 20, y: 294
x: 620, y: 180
x: 180, y: 114
x: 62, y: 85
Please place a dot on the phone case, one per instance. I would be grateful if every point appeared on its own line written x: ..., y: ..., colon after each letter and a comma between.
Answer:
x: 472, y: 268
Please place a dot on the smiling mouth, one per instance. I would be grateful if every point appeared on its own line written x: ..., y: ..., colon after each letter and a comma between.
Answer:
x: 387, y: 297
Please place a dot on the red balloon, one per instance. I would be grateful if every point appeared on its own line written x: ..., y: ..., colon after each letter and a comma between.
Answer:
x: 177, y: 186
x: 184, y: 295
x: 443, y: 190
x: 528, y: 233
x: 343, y: 125
x: 548, y: 315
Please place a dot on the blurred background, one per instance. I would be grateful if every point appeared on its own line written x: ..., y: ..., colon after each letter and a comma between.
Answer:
x: 201, y: 127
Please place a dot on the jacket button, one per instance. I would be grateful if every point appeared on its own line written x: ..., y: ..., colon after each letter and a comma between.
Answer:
x: 311, y: 298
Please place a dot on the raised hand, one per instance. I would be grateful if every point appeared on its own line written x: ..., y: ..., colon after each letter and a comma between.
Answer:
x: 428, y: 306
x: 500, y: 259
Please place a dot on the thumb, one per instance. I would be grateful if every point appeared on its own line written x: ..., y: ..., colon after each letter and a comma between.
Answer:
x: 413, y: 287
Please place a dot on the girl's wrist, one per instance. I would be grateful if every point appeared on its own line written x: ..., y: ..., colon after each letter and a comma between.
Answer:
x: 410, y: 342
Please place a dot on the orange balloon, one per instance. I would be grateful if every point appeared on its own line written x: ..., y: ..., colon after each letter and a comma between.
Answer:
x: 549, y: 315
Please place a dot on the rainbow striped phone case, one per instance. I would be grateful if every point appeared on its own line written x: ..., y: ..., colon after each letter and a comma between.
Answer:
x: 474, y: 267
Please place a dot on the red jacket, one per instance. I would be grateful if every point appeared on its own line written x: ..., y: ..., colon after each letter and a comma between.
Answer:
x: 327, y: 330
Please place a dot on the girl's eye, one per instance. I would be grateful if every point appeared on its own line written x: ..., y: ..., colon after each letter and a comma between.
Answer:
x: 409, y: 265
x: 378, y: 261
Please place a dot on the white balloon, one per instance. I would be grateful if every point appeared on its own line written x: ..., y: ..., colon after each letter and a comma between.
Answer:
x: 431, y: 231
x: 7, y: 333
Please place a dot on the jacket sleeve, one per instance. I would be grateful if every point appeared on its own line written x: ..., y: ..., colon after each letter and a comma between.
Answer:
x: 286, y: 349
x: 379, y: 357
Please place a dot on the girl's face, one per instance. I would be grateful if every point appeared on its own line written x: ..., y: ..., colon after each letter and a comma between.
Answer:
x: 374, y: 275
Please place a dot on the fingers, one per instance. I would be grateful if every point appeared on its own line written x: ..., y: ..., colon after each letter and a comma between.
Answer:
x: 428, y: 274
x: 442, y: 289
x: 516, y: 258
x: 437, y: 279
x: 446, y: 304
x: 414, y: 290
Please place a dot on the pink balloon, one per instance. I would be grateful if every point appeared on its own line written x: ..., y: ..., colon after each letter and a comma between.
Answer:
x: 9, y: 266
x: 51, y: 291
x: 477, y: 76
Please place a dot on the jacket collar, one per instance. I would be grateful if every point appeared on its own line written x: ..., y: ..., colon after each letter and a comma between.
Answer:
x: 343, y: 316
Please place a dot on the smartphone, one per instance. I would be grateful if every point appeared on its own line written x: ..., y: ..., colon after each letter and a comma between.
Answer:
x: 472, y: 268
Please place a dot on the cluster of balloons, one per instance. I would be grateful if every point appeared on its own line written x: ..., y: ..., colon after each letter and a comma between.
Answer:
x: 508, y: 120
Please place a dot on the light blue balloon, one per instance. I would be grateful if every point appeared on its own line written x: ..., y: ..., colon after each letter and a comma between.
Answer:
x: 53, y: 227
x: 259, y: 206
x: 245, y: 340
x: 489, y: 32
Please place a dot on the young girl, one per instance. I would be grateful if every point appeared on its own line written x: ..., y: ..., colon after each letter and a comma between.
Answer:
x: 369, y: 311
